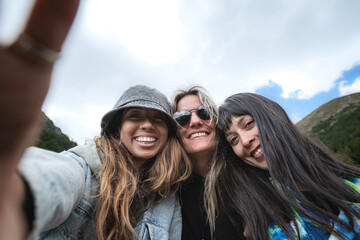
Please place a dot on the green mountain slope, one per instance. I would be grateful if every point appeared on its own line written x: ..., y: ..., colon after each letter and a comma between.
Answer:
x: 51, y: 137
x: 337, y: 125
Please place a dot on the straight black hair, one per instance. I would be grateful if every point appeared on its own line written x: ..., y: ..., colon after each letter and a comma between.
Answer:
x: 260, y: 197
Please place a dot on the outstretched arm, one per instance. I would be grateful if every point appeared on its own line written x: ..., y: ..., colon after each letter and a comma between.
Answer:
x: 25, y: 71
x: 25, y: 78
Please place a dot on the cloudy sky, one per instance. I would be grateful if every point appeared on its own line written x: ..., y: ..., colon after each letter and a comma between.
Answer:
x: 300, y: 53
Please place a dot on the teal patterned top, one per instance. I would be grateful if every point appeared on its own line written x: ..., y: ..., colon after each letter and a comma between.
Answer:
x: 309, y: 231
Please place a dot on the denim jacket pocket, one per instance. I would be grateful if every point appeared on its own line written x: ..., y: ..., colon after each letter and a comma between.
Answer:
x: 153, y: 232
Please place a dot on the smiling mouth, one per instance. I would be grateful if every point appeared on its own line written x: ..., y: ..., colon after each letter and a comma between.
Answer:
x: 145, y: 140
x: 199, y: 134
x: 257, y: 153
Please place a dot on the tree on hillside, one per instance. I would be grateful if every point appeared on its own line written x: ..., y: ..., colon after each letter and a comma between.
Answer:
x: 53, y: 141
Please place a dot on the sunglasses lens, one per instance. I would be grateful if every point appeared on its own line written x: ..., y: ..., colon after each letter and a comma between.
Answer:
x: 202, y: 113
x: 182, y: 117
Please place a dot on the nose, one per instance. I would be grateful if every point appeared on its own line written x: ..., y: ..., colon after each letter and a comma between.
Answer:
x: 247, y: 139
x: 195, y: 120
x: 146, y: 124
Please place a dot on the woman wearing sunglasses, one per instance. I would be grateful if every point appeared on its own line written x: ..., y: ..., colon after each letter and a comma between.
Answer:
x: 285, y: 185
x: 197, y: 114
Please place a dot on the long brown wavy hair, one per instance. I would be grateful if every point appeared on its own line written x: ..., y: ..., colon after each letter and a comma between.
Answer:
x: 126, y: 192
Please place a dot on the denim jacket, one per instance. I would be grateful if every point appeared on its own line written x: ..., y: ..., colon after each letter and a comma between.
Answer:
x: 62, y: 185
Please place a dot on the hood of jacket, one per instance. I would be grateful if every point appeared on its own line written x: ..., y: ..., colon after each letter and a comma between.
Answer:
x: 91, y: 154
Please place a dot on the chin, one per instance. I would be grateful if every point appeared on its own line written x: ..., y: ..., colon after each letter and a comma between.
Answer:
x: 199, y: 150
x: 146, y: 156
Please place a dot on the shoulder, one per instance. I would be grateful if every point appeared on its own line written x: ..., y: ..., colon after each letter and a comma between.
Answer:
x: 90, y: 153
x: 354, y: 183
x: 35, y: 157
x: 58, y: 182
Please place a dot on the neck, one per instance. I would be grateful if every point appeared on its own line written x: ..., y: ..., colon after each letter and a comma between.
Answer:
x: 200, y: 163
x: 137, y: 163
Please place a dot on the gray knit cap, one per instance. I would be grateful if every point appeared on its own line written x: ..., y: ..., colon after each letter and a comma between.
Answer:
x: 137, y: 96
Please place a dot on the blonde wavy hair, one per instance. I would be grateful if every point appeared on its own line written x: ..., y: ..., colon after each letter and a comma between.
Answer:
x: 210, y: 194
x: 124, y: 191
x: 204, y: 98
x: 210, y: 199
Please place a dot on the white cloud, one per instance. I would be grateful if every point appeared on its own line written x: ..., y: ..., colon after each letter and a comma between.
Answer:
x: 303, y: 46
x: 82, y: 121
x: 150, y: 30
x: 348, y: 89
x: 225, y: 46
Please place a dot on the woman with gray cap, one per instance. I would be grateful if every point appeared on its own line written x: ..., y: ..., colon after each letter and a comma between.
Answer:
x: 118, y: 186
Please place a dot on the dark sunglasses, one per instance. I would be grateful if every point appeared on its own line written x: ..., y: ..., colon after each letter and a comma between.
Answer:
x: 183, y: 116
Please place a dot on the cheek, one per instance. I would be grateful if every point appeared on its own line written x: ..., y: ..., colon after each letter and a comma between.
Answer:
x: 164, y: 133
x: 238, y: 151
x: 122, y: 131
x: 182, y: 132
x: 211, y: 125
x: 125, y: 125
x: 127, y: 130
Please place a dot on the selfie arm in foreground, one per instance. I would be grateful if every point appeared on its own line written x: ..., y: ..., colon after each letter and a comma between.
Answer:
x: 25, y: 71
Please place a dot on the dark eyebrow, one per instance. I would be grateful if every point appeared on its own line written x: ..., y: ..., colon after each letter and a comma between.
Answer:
x: 131, y: 110
x: 239, y: 121
x: 228, y: 134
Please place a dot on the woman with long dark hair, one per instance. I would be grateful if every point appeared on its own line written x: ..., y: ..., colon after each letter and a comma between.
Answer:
x: 276, y: 179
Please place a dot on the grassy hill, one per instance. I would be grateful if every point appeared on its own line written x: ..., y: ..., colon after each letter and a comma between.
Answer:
x: 52, y: 138
x: 337, y: 125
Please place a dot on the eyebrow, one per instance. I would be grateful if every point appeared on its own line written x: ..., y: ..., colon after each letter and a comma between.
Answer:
x: 237, y: 123
x: 131, y: 110
x: 227, y: 133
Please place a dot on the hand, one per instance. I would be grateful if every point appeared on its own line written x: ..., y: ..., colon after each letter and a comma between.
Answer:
x: 24, y: 83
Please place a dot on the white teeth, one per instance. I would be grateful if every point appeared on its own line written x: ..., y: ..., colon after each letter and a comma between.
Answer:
x: 258, y: 151
x: 197, y: 135
x: 145, y: 139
